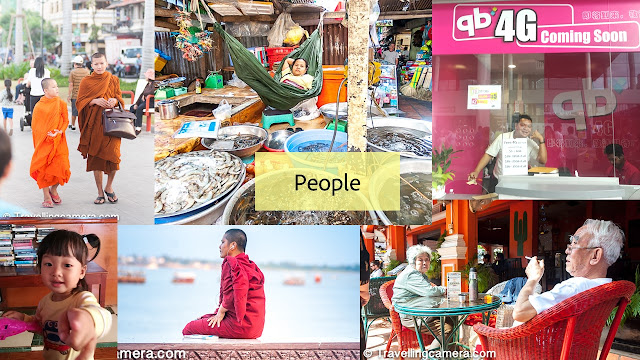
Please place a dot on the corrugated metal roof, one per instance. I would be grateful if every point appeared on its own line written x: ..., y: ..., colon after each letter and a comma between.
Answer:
x: 395, y: 5
x: 335, y: 41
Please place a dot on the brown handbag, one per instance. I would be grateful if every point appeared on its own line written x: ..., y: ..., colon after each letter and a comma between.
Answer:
x: 119, y: 123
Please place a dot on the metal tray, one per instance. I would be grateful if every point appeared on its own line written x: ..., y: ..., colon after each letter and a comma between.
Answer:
x: 195, y: 209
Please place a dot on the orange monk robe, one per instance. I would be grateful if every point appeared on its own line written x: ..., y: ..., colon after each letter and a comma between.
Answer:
x: 50, y: 161
x: 102, y: 152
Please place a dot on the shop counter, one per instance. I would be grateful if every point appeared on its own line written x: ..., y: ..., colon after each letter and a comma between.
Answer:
x: 565, y: 188
x: 247, y: 108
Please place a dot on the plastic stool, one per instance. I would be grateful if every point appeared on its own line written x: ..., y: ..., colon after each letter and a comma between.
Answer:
x: 274, y: 116
x: 342, y: 126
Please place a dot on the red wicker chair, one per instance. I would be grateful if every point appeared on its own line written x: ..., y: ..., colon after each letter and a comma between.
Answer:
x: 406, y: 336
x: 568, y: 330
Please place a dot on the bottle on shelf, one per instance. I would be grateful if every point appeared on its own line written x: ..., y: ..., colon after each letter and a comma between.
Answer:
x: 198, y: 87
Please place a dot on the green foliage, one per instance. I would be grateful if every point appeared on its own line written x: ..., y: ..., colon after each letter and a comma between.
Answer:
x: 33, y: 23
x: 486, y: 276
x: 128, y: 86
x: 14, y: 71
x: 441, y: 160
x: 63, y: 81
x: 520, y: 231
x: 633, y: 308
x: 435, y: 267
x: 392, y: 265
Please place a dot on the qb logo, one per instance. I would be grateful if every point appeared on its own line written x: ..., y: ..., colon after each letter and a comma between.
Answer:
x: 510, y: 26
x: 471, y: 23
x: 589, y: 106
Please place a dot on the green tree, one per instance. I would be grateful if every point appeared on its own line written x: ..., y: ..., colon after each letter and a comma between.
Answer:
x: 33, y: 23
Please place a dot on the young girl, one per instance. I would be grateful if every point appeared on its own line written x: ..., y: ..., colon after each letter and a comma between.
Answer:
x: 71, y: 318
x: 6, y: 99
x: 294, y: 73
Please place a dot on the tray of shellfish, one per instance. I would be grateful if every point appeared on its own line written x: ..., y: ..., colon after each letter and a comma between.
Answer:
x: 193, y: 181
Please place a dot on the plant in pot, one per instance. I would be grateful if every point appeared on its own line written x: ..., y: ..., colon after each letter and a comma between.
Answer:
x: 633, y: 308
x: 440, y: 175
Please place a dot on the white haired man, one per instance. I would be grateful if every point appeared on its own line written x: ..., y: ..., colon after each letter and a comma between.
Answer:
x: 413, y: 282
x: 594, y: 247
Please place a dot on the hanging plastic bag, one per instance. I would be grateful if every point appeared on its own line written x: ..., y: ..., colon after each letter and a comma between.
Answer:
x: 223, y: 111
x: 294, y: 35
x: 279, y: 30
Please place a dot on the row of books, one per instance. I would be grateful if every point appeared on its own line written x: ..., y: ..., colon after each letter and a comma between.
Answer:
x: 19, y: 244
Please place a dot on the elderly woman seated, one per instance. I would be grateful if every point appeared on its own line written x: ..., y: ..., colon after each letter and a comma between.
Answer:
x: 413, y: 282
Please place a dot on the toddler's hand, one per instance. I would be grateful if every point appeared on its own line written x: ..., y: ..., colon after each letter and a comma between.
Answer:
x: 76, y: 329
x: 13, y: 315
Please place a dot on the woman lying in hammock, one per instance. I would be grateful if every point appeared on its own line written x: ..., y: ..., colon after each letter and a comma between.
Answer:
x: 294, y: 73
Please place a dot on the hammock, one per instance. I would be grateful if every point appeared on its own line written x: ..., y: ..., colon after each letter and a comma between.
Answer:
x: 272, y: 92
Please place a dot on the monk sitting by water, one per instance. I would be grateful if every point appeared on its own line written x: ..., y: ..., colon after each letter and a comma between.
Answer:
x: 50, y: 162
x: 240, y: 314
x: 294, y: 73
x: 97, y: 92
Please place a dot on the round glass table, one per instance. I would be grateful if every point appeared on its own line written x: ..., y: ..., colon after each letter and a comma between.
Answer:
x: 423, y: 307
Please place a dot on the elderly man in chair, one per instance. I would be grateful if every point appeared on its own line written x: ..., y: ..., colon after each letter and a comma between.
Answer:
x: 591, y: 250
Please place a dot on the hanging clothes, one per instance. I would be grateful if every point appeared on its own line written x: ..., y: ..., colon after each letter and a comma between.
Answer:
x: 272, y: 92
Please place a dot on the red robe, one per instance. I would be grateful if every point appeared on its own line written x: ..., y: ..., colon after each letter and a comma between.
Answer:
x: 242, y: 294
x: 50, y: 160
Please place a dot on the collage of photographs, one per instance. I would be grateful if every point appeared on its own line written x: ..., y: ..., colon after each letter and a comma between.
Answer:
x: 205, y: 179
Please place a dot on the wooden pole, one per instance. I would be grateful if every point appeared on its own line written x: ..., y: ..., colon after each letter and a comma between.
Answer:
x: 358, y: 55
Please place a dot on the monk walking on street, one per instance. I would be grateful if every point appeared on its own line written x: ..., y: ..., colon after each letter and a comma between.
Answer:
x: 97, y: 92
x: 50, y: 162
x: 241, y: 309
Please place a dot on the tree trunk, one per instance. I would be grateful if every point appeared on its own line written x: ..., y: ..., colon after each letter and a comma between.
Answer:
x: 19, y: 54
x: 148, y: 37
x: 65, y: 60
x: 358, y: 15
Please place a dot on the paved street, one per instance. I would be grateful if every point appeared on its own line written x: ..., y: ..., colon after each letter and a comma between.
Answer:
x: 133, y: 183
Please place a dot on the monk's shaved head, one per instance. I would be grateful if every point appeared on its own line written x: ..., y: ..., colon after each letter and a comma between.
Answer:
x: 98, y: 55
x: 237, y: 236
x: 47, y: 83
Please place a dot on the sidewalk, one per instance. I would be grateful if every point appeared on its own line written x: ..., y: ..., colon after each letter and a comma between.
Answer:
x: 133, y: 183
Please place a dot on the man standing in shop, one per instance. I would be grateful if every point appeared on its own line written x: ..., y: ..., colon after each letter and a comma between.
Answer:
x: 391, y: 56
x: 627, y: 173
x: 241, y: 309
x: 535, y: 153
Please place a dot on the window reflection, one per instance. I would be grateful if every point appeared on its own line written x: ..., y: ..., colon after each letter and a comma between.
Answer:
x: 580, y: 103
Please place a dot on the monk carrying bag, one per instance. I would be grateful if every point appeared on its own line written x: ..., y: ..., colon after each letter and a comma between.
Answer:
x: 119, y: 123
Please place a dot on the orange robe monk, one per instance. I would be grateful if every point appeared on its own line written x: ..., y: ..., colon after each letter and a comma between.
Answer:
x: 102, y: 152
x: 50, y: 161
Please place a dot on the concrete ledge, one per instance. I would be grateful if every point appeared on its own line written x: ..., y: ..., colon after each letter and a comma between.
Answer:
x: 246, y: 350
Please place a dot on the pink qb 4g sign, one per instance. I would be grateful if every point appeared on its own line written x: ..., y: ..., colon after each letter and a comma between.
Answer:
x: 539, y: 27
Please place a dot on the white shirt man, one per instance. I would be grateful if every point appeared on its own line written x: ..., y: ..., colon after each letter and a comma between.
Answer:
x: 391, y: 56
x: 537, y: 154
x: 588, y: 257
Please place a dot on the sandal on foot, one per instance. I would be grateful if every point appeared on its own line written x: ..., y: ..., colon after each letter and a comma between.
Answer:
x: 111, y: 197
x: 47, y: 204
x: 99, y: 200
x: 56, y: 199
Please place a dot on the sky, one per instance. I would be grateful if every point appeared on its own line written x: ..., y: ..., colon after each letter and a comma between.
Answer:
x: 305, y: 245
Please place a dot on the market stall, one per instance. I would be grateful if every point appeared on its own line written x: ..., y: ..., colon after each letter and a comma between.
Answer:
x: 226, y: 92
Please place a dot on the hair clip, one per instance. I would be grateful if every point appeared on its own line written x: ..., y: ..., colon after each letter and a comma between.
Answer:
x: 86, y: 241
